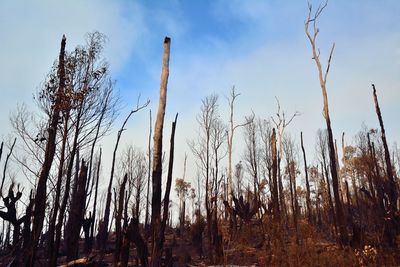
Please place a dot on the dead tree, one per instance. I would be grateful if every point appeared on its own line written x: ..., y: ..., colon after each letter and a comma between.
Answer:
x: 204, y: 148
x: 166, y: 216
x: 230, y: 133
x: 76, y: 215
x: 393, y: 194
x: 10, y: 202
x: 274, y: 185
x: 291, y: 170
x: 118, y: 218
x: 146, y: 220
x: 308, y: 199
x: 391, y: 226
x: 5, y: 164
x: 41, y: 195
x: 252, y: 153
x: 103, y: 231
x: 1, y: 149
x: 157, y: 159
x: 322, y: 79
x: 281, y: 123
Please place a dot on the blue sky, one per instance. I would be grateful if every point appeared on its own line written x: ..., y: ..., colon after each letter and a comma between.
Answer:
x: 258, y: 46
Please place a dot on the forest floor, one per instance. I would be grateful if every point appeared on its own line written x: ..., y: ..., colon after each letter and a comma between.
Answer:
x: 253, y: 245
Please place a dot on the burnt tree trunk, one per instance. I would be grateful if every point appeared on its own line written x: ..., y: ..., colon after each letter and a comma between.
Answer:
x: 168, y: 187
x: 322, y: 79
x: 53, y: 220
x: 76, y: 214
x: 118, y: 218
x: 308, y: 199
x: 64, y: 202
x: 328, y: 188
x: 275, y: 197
x: 157, y: 159
x: 389, y: 170
x: 41, y: 194
x: 5, y: 164
x: 146, y: 220
x: 103, y: 231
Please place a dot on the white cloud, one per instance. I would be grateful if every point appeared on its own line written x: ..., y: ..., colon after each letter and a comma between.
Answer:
x: 31, y: 33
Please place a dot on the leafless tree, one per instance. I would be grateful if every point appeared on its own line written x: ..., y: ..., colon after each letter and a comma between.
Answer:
x: 156, y: 223
x: 281, y: 123
x: 231, y: 131
x: 312, y: 36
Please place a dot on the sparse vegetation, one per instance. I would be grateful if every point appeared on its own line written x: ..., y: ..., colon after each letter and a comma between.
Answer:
x: 337, y: 211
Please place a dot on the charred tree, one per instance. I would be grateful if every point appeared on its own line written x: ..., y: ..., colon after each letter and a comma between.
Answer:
x: 168, y: 186
x: 118, y: 218
x: 10, y: 202
x: 275, y: 197
x: 323, y: 79
x: 103, y: 231
x: 5, y: 163
x: 146, y: 220
x: 393, y: 194
x: 41, y: 194
x: 76, y: 215
x: 308, y: 199
x: 157, y: 160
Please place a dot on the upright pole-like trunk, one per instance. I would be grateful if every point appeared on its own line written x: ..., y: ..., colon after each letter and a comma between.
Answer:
x: 146, y: 220
x: 103, y: 231
x: 41, y: 194
x: 118, y: 218
x: 5, y: 164
x: 53, y: 221
x: 64, y: 202
x: 328, y: 187
x: 76, y: 214
x: 95, y: 200
x: 392, y: 191
x: 157, y: 158
x: 332, y: 157
x: 308, y: 199
x: 168, y: 186
x: 275, y: 197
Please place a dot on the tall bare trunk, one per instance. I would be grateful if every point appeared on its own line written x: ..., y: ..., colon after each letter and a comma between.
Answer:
x: 322, y: 79
x: 168, y: 187
x: 393, y: 194
x: 146, y: 220
x: 157, y: 158
x: 41, y: 194
x: 275, y: 197
x: 53, y: 221
x: 64, y: 202
x: 308, y: 199
x: 118, y: 218
x: 76, y: 214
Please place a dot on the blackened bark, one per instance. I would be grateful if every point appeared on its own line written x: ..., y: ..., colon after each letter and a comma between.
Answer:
x: 64, y: 202
x: 146, y: 220
x: 76, y: 215
x: 41, y: 194
x: 53, y: 220
x: 168, y: 187
x: 275, y: 197
x: 308, y: 199
x: 328, y: 188
x: 118, y: 218
x: 157, y: 159
x: 5, y: 164
x: 393, y: 194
